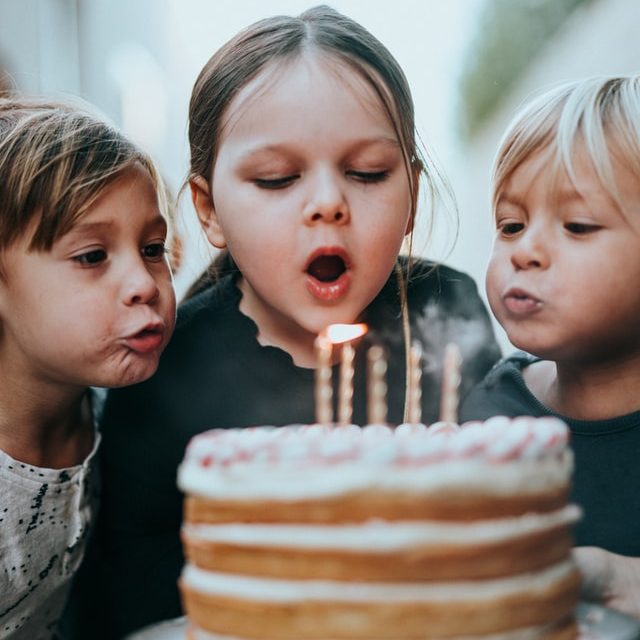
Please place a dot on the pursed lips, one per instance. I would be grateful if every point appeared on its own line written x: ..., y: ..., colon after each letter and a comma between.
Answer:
x: 147, y: 339
x: 520, y: 302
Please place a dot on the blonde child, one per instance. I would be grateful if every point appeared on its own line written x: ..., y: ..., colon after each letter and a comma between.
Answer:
x: 563, y: 282
x: 305, y: 168
x: 86, y: 299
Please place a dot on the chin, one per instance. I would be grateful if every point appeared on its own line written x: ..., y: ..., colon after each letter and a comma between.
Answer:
x: 133, y: 374
x: 542, y: 351
x: 337, y: 317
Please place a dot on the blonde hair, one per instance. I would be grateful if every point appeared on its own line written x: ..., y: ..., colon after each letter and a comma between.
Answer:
x: 55, y: 161
x: 601, y: 114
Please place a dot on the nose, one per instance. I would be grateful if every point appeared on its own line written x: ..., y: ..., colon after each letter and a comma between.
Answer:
x: 327, y: 202
x: 531, y: 250
x: 140, y: 285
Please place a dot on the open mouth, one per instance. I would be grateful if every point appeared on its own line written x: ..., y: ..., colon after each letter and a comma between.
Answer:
x: 327, y: 268
x: 329, y: 274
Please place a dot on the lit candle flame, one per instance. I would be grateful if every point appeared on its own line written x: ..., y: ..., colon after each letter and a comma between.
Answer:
x: 339, y: 333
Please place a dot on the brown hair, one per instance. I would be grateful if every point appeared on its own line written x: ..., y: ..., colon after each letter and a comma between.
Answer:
x: 283, y: 38
x: 55, y: 161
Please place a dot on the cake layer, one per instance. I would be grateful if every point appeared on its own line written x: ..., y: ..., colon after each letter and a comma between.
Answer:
x: 466, y: 502
x: 384, y: 551
x: 303, y: 610
x: 566, y: 629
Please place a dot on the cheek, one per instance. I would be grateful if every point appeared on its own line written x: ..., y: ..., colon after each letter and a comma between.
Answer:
x: 395, y: 201
x: 168, y: 295
x: 383, y: 223
x: 494, y: 280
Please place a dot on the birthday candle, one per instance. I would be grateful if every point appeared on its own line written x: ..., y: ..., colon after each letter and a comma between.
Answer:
x: 415, y: 384
x: 345, y: 388
x: 335, y: 334
x: 450, y: 383
x: 324, y: 384
x: 376, y: 386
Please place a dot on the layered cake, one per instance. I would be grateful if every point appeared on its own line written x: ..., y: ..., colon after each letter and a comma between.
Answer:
x: 319, y: 532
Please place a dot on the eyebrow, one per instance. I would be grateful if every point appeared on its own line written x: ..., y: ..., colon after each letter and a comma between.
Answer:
x: 90, y: 226
x: 562, y: 196
x: 506, y: 197
x: 96, y: 227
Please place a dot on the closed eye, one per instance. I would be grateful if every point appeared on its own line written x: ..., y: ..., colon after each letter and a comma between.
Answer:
x: 581, y: 228
x: 91, y: 258
x: 369, y: 176
x: 510, y: 228
x: 275, y: 183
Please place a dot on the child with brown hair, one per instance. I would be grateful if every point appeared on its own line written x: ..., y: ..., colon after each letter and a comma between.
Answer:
x: 563, y: 282
x: 86, y: 300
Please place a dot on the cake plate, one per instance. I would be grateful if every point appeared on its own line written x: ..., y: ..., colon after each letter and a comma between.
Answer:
x: 596, y: 623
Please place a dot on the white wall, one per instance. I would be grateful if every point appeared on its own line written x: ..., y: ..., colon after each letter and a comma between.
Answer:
x: 39, y: 45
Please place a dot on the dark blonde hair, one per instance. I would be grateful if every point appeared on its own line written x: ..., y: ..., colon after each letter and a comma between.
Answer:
x: 601, y: 114
x: 55, y: 161
x: 283, y: 38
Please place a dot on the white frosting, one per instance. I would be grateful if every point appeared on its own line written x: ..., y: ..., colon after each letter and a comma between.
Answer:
x: 378, y: 535
x: 291, y: 591
x: 247, y: 481
x: 501, y: 456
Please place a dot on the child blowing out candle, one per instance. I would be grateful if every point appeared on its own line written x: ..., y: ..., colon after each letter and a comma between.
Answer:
x: 86, y: 300
x: 563, y: 282
x: 306, y: 172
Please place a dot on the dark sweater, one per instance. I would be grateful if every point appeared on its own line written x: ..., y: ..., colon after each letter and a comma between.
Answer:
x: 606, y: 482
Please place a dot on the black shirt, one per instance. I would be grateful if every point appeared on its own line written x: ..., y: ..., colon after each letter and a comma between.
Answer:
x: 214, y: 373
x: 606, y: 480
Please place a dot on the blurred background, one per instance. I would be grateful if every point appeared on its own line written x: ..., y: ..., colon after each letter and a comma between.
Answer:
x: 470, y: 64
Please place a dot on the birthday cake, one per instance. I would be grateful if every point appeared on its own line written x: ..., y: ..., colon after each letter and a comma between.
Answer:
x: 330, y: 532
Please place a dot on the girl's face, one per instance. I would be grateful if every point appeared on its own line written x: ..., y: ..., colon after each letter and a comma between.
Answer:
x: 311, y: 196
x: 99, y: 308
x: 563, y: 277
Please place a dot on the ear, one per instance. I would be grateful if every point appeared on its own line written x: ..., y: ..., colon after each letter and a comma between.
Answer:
x: 203, y: 204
